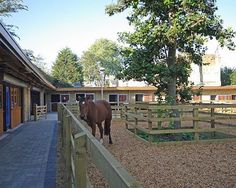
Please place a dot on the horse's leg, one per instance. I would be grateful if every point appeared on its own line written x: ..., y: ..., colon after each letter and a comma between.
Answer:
x: 93, y: 126
x: 108, y: 130
x: 101, y: 132
x: 110, y: 141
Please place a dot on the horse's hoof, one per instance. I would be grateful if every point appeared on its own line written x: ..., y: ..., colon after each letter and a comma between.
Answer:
x: 101, y: 141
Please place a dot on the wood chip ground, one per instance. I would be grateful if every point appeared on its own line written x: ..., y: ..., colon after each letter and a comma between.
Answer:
x: 187, y: 165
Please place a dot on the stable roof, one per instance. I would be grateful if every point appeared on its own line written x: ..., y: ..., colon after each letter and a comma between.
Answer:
x: 14, y: 62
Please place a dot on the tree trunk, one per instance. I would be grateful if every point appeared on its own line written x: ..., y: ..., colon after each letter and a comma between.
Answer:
x: 171, y: 61
x: 201, y: 79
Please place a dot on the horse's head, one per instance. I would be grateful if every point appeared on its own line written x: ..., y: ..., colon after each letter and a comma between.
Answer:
x: 84, y: 109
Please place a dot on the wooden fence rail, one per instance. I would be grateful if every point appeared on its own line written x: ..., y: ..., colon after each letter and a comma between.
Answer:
x: 39, y: 111
x: 154, y: 119
x: 78, y: 144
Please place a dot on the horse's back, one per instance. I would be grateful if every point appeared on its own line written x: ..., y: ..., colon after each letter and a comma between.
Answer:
x: 103, y: 109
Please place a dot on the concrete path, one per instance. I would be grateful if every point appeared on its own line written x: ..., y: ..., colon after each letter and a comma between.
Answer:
x: 28, y: 155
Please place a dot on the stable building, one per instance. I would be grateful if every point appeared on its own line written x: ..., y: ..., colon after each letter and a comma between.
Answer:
x: 21, y: 83
x: 114, y: 95
x: 120, y: 95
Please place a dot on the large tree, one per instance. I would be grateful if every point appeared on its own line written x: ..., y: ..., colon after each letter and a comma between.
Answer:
x: 66, y: 68
x: 103, y: 53
x: 168, y: 35
x: 7, y: 7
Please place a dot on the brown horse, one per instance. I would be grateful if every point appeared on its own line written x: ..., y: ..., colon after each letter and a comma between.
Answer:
x: 95, y: 113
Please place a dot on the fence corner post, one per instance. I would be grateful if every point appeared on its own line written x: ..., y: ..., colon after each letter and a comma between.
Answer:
x: 81, y: 160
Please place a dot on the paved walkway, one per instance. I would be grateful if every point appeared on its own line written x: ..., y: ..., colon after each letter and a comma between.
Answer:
x: 28, y: 155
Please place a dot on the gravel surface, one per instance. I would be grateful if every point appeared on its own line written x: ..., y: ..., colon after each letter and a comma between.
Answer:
x: 187, y: 165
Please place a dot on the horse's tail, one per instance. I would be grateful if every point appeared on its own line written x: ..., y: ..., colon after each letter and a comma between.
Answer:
x: 107, y: 127
x: 107, y: 124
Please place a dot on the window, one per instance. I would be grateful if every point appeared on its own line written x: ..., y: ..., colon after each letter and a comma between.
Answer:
x: 117, y: 99
x: 79, y: 96
x: 84, y: 95
x: 225, y: 97
x: 65, y: 98
x: 233, y: 97
x: 113, y: 98
x: 213, y: 97
x: 12, y: 97
x: 19, y: 97
x: 138, y: 97
x: 90, y: 95
x: 15, y: 96
x: 122, y: 98
x: 55, y: 98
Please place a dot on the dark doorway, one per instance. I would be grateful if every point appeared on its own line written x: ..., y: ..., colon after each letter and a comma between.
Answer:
x: 35, y: 99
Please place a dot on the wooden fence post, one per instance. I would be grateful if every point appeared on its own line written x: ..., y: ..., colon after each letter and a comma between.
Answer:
x: 81, y: 160
x: 121, y: 112
x: 63, y: 126
x: 46, y: 111
x: 149, y: 124
x: 135, y: 120
x: 67, y: 150
x: 212, y: 116
x: 59, y: 114
x: 195, y: 123
x: 212, y: 121
x: 126, y: 117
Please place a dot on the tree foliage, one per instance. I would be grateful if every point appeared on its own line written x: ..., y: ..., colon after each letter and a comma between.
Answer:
x: 103, y: 53
x: 7, y: 7
x: 37, y: 60
x: 233, y: 77
x: 225, y: 74
x: 66, y: 68
x: 168, y: 36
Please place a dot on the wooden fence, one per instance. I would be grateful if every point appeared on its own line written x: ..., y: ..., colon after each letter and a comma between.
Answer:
x: 116, y: 110
x: 39, y: 111
x: 154, y: 119
x: 78, y: 143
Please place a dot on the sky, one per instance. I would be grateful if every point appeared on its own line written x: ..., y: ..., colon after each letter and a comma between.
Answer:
x: 51, y: 25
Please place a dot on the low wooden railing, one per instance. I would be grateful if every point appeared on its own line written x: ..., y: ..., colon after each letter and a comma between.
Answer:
x: 39, y: 111
x: 116, y: 110
x: 78, y: 143
x: 153, y: 119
